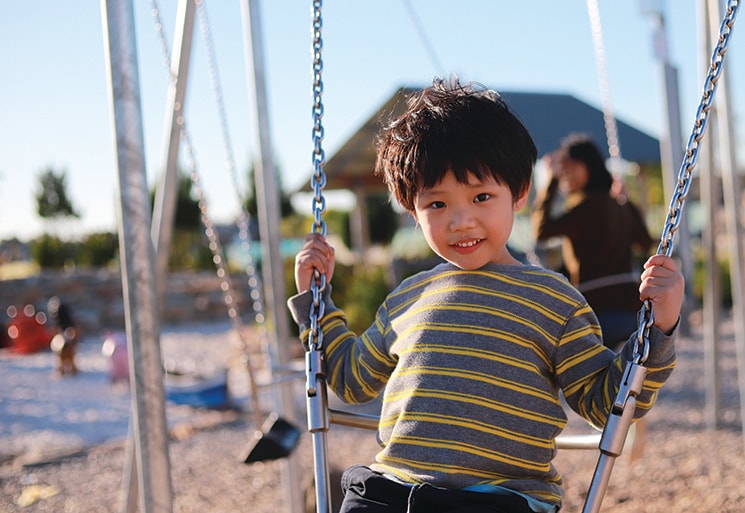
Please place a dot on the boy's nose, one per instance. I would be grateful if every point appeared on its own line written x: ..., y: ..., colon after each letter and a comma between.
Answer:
x: 461, y: 220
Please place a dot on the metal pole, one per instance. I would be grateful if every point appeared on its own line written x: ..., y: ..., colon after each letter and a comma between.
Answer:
x: 164, y: 210
x: 138, y: 261
x: 671, y: 141
x: 710, y: 201
x: 267, y: 192
x: 731, y: 187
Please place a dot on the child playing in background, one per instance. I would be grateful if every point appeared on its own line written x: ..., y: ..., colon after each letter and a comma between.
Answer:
x: 471, y: 356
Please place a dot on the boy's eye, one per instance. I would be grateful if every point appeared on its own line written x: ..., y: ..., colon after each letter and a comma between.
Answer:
x: 437, y: 204
x: 482, y: 197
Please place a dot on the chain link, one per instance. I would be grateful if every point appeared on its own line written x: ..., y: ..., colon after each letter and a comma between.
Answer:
x: 244, y: 234
x: 674, y: 216
x: 318, y: 286
x: 609, y: 119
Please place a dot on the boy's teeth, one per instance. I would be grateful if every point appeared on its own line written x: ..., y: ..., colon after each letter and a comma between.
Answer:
x: 468, y: 244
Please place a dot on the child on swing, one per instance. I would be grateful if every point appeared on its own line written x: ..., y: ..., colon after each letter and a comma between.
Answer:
x: 471, y: 355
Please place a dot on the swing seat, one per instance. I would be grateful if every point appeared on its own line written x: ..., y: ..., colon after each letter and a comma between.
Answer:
x: 277, y: 439
x: 366, y: 421
x: 211, y: 393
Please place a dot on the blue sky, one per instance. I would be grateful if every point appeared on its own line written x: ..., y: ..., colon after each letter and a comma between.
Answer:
x: 55, y: 109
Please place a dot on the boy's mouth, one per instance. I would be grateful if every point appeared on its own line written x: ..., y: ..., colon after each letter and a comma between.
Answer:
x: 466, y: 246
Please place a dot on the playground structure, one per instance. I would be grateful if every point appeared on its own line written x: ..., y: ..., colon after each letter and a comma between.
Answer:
x: 141, y: 249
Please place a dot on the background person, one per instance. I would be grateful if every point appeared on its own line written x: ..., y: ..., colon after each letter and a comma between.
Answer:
x: 603, y: 234
x: 65, y: 339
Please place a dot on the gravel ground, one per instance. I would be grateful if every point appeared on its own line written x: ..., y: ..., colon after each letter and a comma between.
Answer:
x: 684, y: 466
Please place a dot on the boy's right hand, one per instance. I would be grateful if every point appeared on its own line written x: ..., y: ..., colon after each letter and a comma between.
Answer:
x: 315, y: 254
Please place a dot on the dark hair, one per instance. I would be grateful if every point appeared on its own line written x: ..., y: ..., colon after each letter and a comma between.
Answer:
x: 449, y: 126
x: 581, y: 148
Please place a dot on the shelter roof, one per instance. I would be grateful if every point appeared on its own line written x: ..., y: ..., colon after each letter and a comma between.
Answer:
x: 549, y: 118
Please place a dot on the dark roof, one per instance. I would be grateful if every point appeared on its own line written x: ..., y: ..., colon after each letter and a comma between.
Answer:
x: 549, y: 118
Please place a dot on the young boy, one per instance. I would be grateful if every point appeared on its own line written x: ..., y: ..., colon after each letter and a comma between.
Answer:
x: 471, y: 355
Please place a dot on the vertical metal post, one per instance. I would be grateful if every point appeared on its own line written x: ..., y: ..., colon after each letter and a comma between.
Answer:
x: 268, y: 194
x: 710, y: 201
x: 138, y: 261
x: 731, y: 189
x: 671, y: 141
x: 360, y: 225
x: 164, y: 210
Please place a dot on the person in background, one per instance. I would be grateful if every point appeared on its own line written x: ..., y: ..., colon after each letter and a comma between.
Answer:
x: 471, y: 356
x: 65, y: 337
x: 603, y: 234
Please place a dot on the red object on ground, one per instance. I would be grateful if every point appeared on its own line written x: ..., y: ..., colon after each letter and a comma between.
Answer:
x: 28, y: 333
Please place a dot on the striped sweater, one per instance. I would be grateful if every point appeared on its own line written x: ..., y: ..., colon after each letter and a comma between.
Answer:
x: 471, y: 364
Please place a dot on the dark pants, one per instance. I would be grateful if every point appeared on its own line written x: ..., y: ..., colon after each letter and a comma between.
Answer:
x: 369, y: 492
x: 617, y: 325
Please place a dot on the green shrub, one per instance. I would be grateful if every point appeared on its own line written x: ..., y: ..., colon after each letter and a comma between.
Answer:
x: 98, y: 250
x: 52, y: 252
x: 699, y: 279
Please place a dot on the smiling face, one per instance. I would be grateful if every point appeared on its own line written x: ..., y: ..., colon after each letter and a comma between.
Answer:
x: 573, y: 175
x: 468, y: 224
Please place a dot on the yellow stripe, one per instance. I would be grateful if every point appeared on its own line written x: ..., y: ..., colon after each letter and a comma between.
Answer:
x: 474, y: 352
x: 483, y: 427
x: 453, y: 445
x: 484, y: 331
x: 450, y: 395
x: 477, y: 376
x: 393, y: 466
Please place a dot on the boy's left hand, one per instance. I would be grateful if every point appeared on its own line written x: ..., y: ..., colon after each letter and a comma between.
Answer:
x: 663, y: 285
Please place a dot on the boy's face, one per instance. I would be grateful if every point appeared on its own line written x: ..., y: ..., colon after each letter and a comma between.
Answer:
x: 468, y: 224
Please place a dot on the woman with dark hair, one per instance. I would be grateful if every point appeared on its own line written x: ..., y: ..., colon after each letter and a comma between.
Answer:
x: 602, y: 234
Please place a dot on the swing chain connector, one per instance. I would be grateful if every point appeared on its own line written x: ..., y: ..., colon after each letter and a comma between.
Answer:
x: 631, y: 386
x: 316, y: 392
x: 614, y: 434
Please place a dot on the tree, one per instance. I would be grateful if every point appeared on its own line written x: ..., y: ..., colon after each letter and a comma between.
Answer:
x: 252, y: 208
x: 251, y: 205
x: 188, y: 249
x: 52, y: 201
x: 188, y: 214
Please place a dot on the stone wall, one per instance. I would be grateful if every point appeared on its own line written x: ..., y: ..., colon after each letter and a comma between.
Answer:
x: 96, y: 301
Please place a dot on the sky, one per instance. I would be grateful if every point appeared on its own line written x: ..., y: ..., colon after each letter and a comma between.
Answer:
x: 55, y: 110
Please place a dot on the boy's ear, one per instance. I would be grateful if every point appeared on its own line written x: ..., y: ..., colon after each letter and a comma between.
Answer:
x: 520, y: 201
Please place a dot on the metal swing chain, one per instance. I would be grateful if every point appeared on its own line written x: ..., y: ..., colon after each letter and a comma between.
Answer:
x: 252, y: 274
x: 674, y: 216
x: 609, y: 119
x: 316, y: 391
x: 318, y: 286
